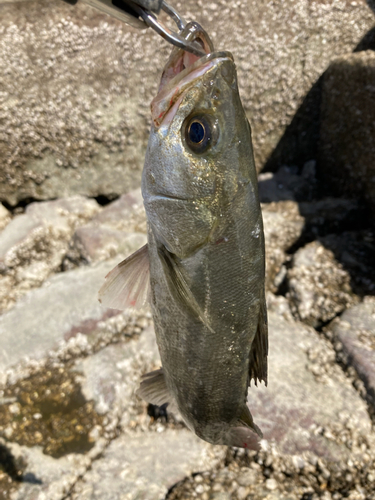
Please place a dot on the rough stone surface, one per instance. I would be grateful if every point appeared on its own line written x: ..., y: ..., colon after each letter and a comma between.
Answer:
x: 347, y: 151
x: 292, y: 411
x: 48, y: 317
x: 32, y: 245
x: 332, y: 215
x: 288, y: 184
x: 318, y: 286
x: 125, y: 214
x: 93, y: 244
x: 111, y: 376
x: 5, y: 217
x: 355, y: 331
x: 355, y: 250
x: 283, y: 227
x: 139, y: 465
x: 44, y: 477
x: 77, y: 121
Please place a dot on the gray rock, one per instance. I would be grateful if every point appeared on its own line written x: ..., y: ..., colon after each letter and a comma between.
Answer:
x: 331, y: 215
x: 43, y: 476
x: 32, y: 245
x: 111, y: 376
x: 119, y: 228
x: 347, y: 152
x: 94, y: 243
x: 5, y: 217
x: 125, y: 214
x: 309, y: 404
x: 47, y: 318
x: 144, y: 465
x: 355, y: 250
x: 287, y: 184
x: 283, y: 226
x: 77, y: 121
x: 355, y: 330
x: 318, y: 286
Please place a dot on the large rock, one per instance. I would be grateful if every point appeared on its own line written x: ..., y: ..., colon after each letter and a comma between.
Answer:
x: 309, y: 404
x: 347, y: 149
x: 64, y: 311
x: 78, y: 119
x: 283, y: 226
x: 111, y: 376
x: 144, y: 465
x: 355, y: 331
x: 318, y: 286
x: 355, y: 250
x: 119, y: 228
x: 32, y: 245
x: 43, y: 476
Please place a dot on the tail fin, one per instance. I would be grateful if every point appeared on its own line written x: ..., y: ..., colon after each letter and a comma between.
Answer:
x: 246, y: 434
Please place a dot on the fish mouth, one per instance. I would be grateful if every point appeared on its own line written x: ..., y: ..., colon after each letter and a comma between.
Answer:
x: 180, y: 73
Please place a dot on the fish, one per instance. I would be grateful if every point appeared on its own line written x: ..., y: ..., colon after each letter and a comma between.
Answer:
x: 203, y: 268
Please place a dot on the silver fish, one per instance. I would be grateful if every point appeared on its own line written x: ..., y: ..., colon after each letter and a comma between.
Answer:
x: 203, y: 268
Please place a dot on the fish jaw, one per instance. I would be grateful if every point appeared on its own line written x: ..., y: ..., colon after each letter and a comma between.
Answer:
x: 170, y: 95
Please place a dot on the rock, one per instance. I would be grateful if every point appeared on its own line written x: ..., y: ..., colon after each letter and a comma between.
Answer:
x: 318, y: 286
x: 282, y: 228
x: 93, y: 244
x: 309, y: 404
x: 347, y: 151
x: 111, y: 376
x: 5, y: 217
x: 125, y: 214
x: 43, y: 476
x: 119, y: 228
x: 355, y: 250
x: 78, y: 119
x: 32, y: 245
x: 64, y: 312
x: 144, y: 465
x: 331, y: 215
x: 355, y: 331
x: 286, y: 184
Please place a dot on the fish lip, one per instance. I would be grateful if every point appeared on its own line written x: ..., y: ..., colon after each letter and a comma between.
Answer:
x: 170, y: 92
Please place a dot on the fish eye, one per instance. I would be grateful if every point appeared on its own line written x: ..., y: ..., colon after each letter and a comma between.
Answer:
x: 199, y: 133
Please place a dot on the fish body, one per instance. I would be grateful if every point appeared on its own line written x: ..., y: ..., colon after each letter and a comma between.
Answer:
x: 205, y: 251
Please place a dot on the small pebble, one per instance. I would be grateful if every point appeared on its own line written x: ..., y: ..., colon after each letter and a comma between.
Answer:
x: 271, y: 484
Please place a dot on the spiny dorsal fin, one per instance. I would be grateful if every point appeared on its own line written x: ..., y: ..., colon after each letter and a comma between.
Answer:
x: 127, y: 285
x: 259, y: 348
x: 153, y: 389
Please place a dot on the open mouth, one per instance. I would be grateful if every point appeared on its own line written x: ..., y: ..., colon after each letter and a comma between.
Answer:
x: 180, y: 72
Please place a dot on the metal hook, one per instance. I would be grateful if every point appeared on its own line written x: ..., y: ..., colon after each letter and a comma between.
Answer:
x: 169, y: 35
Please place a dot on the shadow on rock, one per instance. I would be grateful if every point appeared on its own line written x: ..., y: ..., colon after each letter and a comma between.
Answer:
x: 330, y: 166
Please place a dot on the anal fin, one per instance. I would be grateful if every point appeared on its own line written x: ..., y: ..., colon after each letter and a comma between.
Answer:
x: 153, y: 389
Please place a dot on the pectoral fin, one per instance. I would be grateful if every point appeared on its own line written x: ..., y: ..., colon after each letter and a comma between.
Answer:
x: 180, y: 289
x: 154, y: 390
x: 259, y: 348
x: 127, y: 285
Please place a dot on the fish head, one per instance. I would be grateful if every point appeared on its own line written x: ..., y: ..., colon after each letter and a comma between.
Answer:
x: 199, y: 131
